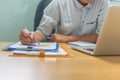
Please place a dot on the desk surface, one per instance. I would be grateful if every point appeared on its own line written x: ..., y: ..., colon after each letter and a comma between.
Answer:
x: 80, y: 67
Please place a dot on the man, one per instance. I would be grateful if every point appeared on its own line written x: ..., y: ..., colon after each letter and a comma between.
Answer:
x: 74, y: 20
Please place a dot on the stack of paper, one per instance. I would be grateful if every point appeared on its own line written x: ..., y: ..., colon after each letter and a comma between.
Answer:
x: 42, y: 46
x: 44, y: 49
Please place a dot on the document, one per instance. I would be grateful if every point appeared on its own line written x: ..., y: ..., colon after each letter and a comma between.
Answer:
x: 44, y: 49
x: 43, y: 46
x: 60, y: 52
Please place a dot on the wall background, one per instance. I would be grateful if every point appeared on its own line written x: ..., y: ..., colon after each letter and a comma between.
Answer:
x: 14, y: 14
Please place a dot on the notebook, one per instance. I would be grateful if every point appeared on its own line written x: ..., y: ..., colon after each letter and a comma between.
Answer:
x: 108, y: 42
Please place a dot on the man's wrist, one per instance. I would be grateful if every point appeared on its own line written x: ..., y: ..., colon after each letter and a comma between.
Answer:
x: 39, y: 36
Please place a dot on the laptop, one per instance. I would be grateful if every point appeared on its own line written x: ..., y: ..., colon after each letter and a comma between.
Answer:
x: 108, y: 42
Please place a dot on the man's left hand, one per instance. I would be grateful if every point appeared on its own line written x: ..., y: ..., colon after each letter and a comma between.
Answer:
x: 59, y: 38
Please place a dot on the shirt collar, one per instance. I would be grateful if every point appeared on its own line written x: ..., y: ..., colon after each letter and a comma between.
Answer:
x: 79, y: 6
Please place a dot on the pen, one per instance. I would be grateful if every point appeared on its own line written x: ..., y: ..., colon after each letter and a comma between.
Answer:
x: 35, y: 38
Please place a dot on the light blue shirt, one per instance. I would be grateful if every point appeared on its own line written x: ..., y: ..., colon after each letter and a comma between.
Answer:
x: 69, y: 17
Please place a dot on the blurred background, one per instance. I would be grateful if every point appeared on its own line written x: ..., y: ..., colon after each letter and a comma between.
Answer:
x: 15, y: 14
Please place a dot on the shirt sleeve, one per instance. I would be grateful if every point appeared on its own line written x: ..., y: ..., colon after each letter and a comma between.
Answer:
x: 102, y: 15
x: 50, y: 19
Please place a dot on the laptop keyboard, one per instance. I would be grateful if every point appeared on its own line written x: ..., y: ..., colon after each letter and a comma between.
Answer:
x: 90, y: 49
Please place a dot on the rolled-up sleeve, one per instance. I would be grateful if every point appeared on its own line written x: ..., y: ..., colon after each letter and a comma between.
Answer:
x: 102, y: 15
x: 50, y: 19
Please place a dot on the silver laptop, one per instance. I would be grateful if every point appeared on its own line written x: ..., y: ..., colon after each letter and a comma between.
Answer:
x: 108, y: 42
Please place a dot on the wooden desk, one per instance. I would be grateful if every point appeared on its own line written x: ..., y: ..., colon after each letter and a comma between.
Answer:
x: 80, y: 67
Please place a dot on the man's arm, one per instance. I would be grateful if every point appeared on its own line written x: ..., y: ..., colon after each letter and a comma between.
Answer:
x: 39, y: 36
x: 50, y: 19
x: 88, y: 38
x: 61, y: 38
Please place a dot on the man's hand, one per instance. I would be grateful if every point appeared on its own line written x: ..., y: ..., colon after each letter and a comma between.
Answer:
x: 26, y: 37
x: 59, y: 38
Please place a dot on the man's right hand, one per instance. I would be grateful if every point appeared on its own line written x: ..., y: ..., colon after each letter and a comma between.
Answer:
x: 26, y: 37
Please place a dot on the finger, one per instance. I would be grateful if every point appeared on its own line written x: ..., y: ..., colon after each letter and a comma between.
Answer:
x: 24, y: 43
x: 55, y: 38
x: 32, y: 36
x: 25, y: 40
x: 25, y: 33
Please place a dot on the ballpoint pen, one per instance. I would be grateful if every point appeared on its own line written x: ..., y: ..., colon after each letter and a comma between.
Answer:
x: 35, y: 38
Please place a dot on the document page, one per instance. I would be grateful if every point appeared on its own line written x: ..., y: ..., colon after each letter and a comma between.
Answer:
x: 42, y: 46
